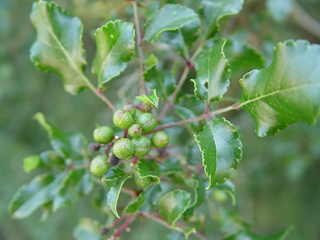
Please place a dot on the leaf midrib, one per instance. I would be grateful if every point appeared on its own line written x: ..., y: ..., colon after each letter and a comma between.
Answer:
x: 278, y: 92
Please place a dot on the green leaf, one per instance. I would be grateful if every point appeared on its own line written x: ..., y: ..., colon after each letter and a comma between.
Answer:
x: 148, y: 168
x: 242, y: 57
x: 199, y: 196
x: 114, y: 193
x: 175, y: 235
x: 139, y: 201
x: 115, y: 47
x: 99, y: 202
x: 221, y: 151
x: 190, y: 106
x: 182, y: 39
x: 152, y: 200
x: 173, y: 205
x: 279, y: 10
x: 41, y: 190
x: 159, y: 80
x: 32, y: 162
x: 287, y: 91
x: 246, y: 234
x: 213, y: 10
x: 88, y: 229
x: 229, y: 187
x: 68, y: 144
x: 75, y: 185
x: 212, y: 73
x: 59, y: 47
x: 168, y: 18
x: 113, y: 174
x: 153, y: 99
x: 48, y: 159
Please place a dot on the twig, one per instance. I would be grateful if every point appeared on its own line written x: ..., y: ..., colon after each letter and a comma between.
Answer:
x: 196, y: 119
x: 110, y: 145
x: 129, y: 192
x: 160, y: 220
x: 124, y: 226
x: 139, y: 41
x: 174, y: 94
x: 303, y: 18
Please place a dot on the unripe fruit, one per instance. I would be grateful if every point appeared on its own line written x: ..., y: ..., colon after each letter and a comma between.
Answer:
x: 94, y: 147
x: 123, y: 148
x: 122, y: 119
x: 103, y: 134
x: 113, y: 160
x: 146, y: 107
x: 148, y: 122
x: 142, y: 182
x: 137, y: 114
x: 142, y: 146
x: 99, y: 165
x: 160, y: 139
x: 130, y: 108
x: 135, y: 130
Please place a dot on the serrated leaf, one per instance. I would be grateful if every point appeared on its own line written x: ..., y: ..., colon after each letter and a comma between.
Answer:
x: 88, y: 229
x: 67, y: 144
x: 115, y: 47
x: 75, y: 185
x: 168, y: 18
x: 246, y: 234
x: 199, y: 196
x: 190, y: 106
x: 221, y: 151
x: 139, y: 201
x: 213, y: 10
x: 113, y: 195
x: 182, y: 39
x: 148, y: 168
x: 229, y: 187
x: 150, y: 99
x: 213, y: 73
x: 287, y: 91
x: 58, y: 47
x: 113, y: 174
x: 39, y: 191
x: 173, y: 205
x: 161, y: 81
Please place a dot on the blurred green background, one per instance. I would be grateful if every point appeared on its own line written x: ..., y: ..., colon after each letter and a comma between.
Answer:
x: 277, y: 181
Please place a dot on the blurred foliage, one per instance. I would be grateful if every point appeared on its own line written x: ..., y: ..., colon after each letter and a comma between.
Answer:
x: 277, y: 181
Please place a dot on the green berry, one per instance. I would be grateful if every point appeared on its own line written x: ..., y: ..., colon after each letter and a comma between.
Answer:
x: 123, y: 148
x: 135, y: 130
x: 103, y: 135
x: 142, y: 182
x: 137, y: 114
x: 122, y: 119
x: 146, y: 107
x: 99, y: 165
x: 113, y: 160
x: 142, y: 146
x: 130, y: 108
x: 160, y: 139
x: 148, y: 122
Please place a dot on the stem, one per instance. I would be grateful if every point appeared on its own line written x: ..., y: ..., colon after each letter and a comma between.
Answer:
x: 174, y: 94
x: 129, y: 192
x: 161, y: 221
x: 139, y: 41
x: 196, y: 119
x: 124, y: 226
x: 98, y: 92
x: 110, y: 145
x: 302, y: 17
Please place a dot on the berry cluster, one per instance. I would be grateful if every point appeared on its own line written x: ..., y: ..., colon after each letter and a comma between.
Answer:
x: 137, y: 124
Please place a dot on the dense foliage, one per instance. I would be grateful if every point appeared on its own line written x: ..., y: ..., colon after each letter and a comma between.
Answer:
x: 172, y: 183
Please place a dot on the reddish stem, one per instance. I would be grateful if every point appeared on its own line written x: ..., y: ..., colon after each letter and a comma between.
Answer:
x: 110, y: 145
x: 124, y: 226
x: 125, y: 133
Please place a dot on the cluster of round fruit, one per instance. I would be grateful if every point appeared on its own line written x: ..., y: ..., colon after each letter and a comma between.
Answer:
x: 136, y: 124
